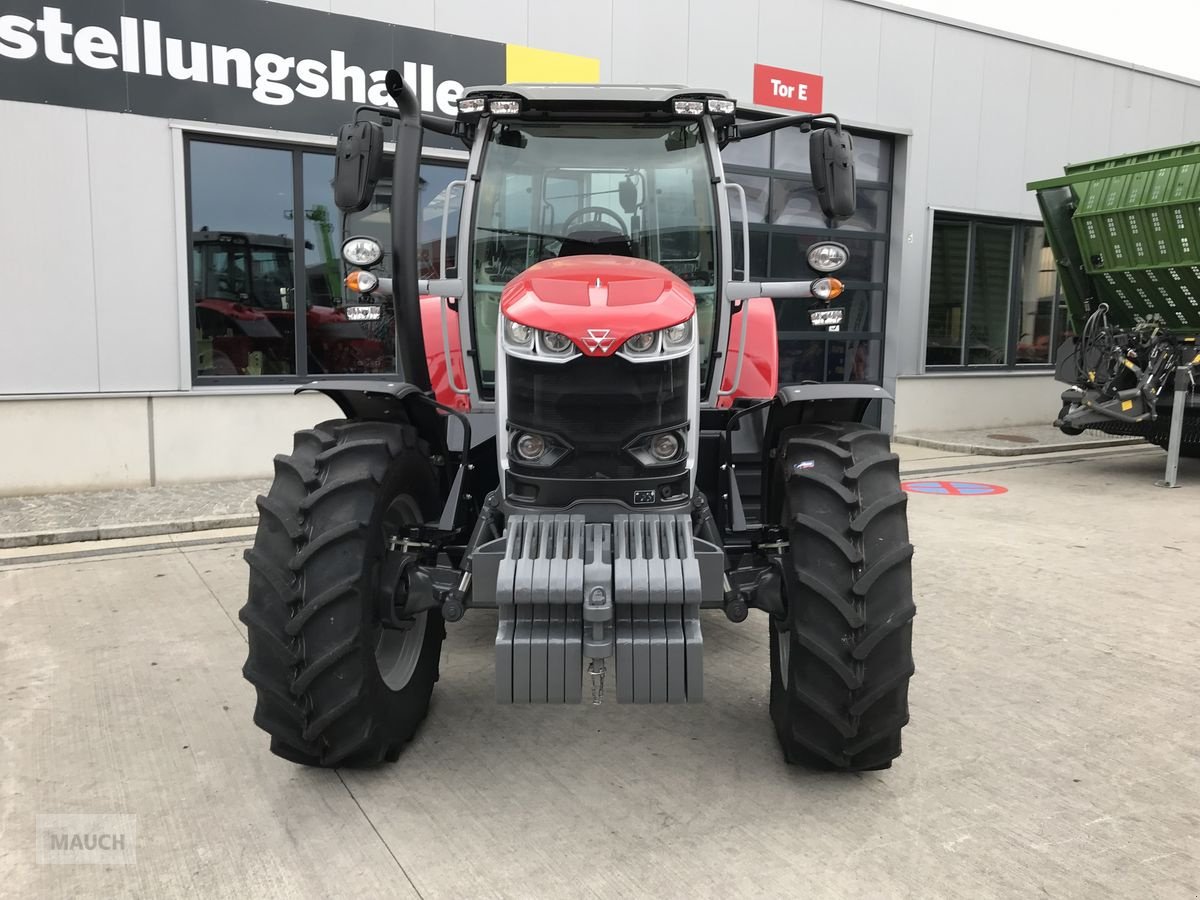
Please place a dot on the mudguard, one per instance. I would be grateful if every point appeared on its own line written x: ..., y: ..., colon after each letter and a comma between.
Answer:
x: 805, y: 404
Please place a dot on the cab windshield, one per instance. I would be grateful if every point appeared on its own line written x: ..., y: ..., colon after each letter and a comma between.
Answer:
x: 566, y: 189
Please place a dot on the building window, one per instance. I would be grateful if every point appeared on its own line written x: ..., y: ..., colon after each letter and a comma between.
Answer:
x: 993, y: 295
x: 250, y: 206
x: 785, y: 220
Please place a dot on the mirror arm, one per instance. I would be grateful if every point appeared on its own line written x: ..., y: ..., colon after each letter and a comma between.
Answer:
x: 744, y: 130
x: 777, y: 290
x: 439, y: 124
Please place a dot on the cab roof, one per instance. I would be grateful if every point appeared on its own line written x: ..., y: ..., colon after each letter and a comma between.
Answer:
x: 601, y: 94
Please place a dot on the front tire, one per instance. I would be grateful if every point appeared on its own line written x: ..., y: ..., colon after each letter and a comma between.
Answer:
x: 841, y: 657
x: 335, y: 688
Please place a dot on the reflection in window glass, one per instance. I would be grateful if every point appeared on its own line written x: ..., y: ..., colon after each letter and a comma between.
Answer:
x: 791, y: 150
x: 947, y: 290
x: 789, y: 257
x: 801, y: 360
x: 794, y: 202
x: 242, y: 259
x: 872, y: 159
x: 755, y: 187
x: 863, y: 312
x: 870, y: 213
x: 991, y: 277
x: 1039, y: 281
x: 755, y: 152
x: 336, y: 344
x: 758, y: 253
x: 848, y: 361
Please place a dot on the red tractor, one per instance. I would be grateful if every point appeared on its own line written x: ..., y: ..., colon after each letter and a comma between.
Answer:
x: 601, y: 452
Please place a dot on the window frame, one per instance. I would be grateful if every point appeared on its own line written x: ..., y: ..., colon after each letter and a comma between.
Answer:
x: 1016, y: 284
x: 297, y: 150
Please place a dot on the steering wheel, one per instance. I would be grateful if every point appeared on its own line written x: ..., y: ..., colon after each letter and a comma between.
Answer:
x: 597, y: 213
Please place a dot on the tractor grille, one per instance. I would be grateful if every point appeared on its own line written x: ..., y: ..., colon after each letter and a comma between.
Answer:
x: 598, y: 406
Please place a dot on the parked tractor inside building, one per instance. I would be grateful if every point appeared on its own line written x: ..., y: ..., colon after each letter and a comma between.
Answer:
x: 587, y: 438
x: 1125, y: 233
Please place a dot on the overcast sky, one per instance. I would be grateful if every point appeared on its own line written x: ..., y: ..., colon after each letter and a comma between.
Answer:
x: 1157, y: 34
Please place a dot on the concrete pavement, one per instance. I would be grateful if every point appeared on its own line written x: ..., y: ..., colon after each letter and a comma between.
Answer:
x: 1052, y: 750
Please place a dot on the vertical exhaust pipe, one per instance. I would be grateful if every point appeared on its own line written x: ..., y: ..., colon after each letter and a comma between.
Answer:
x: 406, y: 190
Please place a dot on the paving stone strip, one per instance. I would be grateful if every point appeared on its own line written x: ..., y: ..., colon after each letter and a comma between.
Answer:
x: 101, y: 515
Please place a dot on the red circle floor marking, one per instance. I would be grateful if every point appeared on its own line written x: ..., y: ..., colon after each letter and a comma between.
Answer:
x: 953, y: 488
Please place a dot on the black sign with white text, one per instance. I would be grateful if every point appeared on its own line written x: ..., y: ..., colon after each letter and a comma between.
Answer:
x: 236, y: 62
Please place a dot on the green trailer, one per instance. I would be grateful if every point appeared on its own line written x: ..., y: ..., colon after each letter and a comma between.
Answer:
x: 1125, y: 233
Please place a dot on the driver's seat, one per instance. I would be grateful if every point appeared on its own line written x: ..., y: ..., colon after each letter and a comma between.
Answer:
x: 597, y: 237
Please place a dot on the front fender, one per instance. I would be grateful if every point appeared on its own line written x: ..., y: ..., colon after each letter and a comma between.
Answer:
x: 809, y: 404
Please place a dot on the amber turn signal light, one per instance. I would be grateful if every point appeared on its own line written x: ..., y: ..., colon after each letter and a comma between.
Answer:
x: 362, y: 282
x: 827, y: 288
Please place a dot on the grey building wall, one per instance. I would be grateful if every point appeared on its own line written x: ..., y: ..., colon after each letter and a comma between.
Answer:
x: 91, y: 224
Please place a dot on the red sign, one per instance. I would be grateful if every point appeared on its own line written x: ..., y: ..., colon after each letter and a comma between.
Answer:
x: 787, y: 89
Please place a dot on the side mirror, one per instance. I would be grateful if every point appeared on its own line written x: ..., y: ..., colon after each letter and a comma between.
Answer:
x: 831, y: 152
x: 357, y: 165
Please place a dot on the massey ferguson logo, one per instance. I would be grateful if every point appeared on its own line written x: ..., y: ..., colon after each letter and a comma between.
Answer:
x: 597, y: 340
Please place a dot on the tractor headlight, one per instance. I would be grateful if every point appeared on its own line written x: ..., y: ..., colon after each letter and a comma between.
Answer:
x: 689, y: 107
x: 665, y: 446
x: 642, y: 343
x: 521, y: 335
x: 555, y: 342
x: 362, y: 251
x: 531, y: 447
x: 678, y: 335
x: 827, y: 256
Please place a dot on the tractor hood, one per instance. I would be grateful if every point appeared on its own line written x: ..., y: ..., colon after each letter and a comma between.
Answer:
x: 599, y: 302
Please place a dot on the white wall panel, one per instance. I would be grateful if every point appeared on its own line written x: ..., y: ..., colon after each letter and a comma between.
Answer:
x: 905, y: 76
x: 1090, y: 112
x: 1168, y: 105
x: 650, y: 41
x: 48, y: 337
x: 585, y: 29
x: 721, y: 57
x: 1051, y: 85
x: 1191, y: 115
x: 414, y: 13
x: 236, y: 436
x: 850, y: 60
x: 506, y: 21
x: 133, y: 238
x: 1002, y: 126
x: 954, y: 126
x: 789, y: 34
x: 944, y: 403
x: 73, y: 445
x: 1130, y: 111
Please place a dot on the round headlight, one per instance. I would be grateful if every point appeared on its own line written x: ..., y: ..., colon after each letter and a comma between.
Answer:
x: 680, y: 334
x: 531, y: 446
x: 827, y: 256
x: 664, y: 446
x: 518, y: 333
x: 640, y: 343
x: 555, y: 342
x: 362, y: 251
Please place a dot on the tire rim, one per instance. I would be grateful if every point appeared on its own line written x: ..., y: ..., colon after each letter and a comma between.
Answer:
x: 785, y: 652
x: 399, y: 650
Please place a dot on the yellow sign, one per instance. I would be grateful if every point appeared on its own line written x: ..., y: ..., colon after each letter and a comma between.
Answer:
x: 527, y: 64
